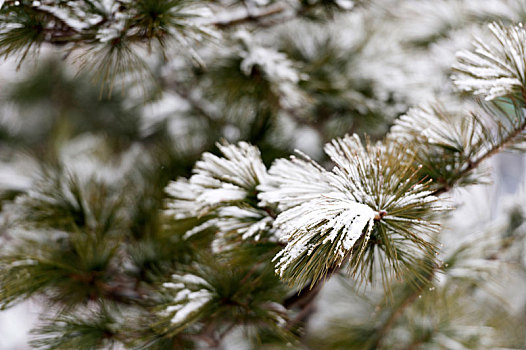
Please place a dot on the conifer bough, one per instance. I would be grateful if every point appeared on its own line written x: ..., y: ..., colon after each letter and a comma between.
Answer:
x: 244, y: 228
x: 379, y: 197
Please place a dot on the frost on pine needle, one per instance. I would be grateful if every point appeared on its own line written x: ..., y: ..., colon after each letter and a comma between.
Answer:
x: 247, y: 223
x: 372, y: 201
x: 496, y: 68
x: 183, y: 199
x: 444, y: 142
x: 231, y: 178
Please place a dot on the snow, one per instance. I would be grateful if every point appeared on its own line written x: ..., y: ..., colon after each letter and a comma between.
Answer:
x: 246, y: 223
x: 199, y: 228
x: 242, y: 167
x: 274, y: 64
x: 191, y: 279
x: 429, y: 121
x: 12, y: 177
x: 229, y: 193
x: 16, y: 323
x: 182, y: 202
x: 64, y: 15
x: 218, y: 182
x: 173, y: 285
x: 345, y: 4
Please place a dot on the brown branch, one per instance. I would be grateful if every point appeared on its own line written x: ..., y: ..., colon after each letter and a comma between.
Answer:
x: 416, y: 344
x: 250, y: 16
x: 304, y: 299
x: 399, y: 310
x: 393, y: 317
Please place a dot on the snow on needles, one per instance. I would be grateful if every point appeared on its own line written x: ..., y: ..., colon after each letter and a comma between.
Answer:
x: 192, y: 294
x: 217, y: 181
x: 430, y: 123
x: 497, y: 68
x: 323, y: 220
x: 333, y: 221
x: 241, y: 170
x: 322, y: 216
x: 294, y: 181
x: 223, y: 187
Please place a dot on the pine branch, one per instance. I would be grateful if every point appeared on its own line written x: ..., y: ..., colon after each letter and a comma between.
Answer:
x: 306, y: 295
x: 250, y: 16
x: 399, y: 311
x: 494, y: 149
x: 258, y: 16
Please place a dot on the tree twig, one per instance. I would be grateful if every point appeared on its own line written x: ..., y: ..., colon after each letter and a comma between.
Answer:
x: 471, y: 165
x: 250, y: 16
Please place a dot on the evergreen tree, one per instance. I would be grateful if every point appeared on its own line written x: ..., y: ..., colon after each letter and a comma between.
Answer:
x: 156, y: 200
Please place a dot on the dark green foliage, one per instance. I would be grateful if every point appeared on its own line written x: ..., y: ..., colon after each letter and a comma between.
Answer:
x: 74, y: 255
x: 158, y: 19
x: 111, y: 61
x: 243, y: 293
x: 85, y: 329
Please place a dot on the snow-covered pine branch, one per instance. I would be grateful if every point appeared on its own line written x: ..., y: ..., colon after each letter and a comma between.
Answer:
x: 109, y: 37
x: 278, y: 69
x: 324, y: 216
x: 218, y: 181
x: 224, y: 190
x: 377, y: 197
x: 294, y: 181
x: 329, y: 216
x: 449, y: 145
x: 443, y: 141
x: 496, y: 67
x: 213, y: 288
